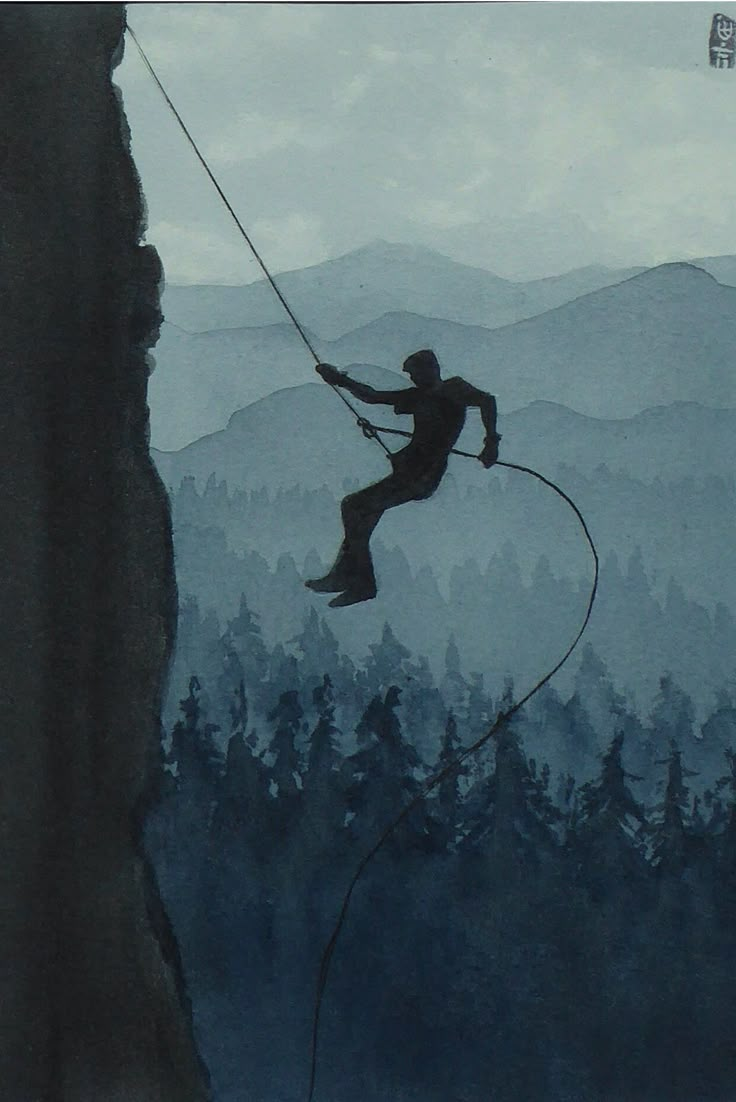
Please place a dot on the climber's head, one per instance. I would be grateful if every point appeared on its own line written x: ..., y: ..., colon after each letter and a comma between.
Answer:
x: 422, y: 368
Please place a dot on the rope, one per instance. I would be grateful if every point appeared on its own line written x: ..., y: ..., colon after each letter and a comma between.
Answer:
x: 370, y: 429
x: 453, y: 766
x: 371, y: 432
x: 244, y: 233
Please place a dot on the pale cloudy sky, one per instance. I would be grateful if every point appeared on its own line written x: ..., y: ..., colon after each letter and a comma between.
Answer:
x: 525, y: 138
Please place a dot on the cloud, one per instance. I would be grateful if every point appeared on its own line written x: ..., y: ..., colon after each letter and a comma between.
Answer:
x: 288, y: 21
x: 253, y: 135
x: 353, y: 92
x: 550, y: 134
x: 197, y: 254
x: 292, y: 241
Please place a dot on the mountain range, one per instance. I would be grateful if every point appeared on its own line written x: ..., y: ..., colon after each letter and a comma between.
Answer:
x: 338, y: 295
x: 658, y: 337
x: 342, y: 294
x: 617, y: 394
x: 302, y: 436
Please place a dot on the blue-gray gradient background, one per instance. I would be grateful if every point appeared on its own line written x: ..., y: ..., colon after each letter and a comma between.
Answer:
x: 525, y: 139
x: 543, y: 193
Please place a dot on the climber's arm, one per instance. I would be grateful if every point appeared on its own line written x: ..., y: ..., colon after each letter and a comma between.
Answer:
x: 396, y: 398
x: 486, y: 403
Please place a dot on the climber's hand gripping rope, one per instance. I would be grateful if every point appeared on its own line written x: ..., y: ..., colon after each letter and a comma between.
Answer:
x: 331, y: 374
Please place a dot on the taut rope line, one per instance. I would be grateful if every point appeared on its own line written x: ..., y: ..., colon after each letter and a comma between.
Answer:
x: 242, y: 230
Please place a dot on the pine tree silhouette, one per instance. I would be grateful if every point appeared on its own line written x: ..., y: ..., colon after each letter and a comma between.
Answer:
x: 449, y: 799
x: 194, y: 753
x: 454, y: 685
x: 387, y: 663
x: 671, y: 843
x: 380, y: 776
x: 423, y: 711
x: 726, y: 842
x: 240, y: 820
x: 285, y: 771
x: 610, y: 832
x: 318, y: 652
x: 673, y: 715
x: 324, y: 793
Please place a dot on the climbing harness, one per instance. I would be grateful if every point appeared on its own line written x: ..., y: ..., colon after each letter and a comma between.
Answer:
x: 373, y: 432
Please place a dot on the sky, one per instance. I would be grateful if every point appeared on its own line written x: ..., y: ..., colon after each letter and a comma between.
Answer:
x: 524, y: 138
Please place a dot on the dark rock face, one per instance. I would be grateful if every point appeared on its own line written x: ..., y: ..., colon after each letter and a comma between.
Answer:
x: 91, y: 1006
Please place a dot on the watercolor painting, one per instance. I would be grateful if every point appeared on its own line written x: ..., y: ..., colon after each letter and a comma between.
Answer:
x: 369, y: 429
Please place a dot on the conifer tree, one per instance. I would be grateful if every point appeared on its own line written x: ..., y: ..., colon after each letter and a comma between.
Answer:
x: 240, y: 825
x: 718, y: 734
x: 511, y: 812
x: 283, y: 674
x: 608, y: 801
x: 317, y: 652
x: 673, y: 714
x: 232, y: 677
x: 194, y: 752
x: 594, y: 688
x: 726, y: 785
x: 244, y: 640
x: 186, y: 502
x: 610, y: 827
x: 184, y: 820
x: 561, y: 730
x: 698, y: 825
x: 196, y: 651
x: 215, y: 503
x: 479, y: 713
x: 285, y: 770
x: 454, y: 686
x: 381, y: 773
x: 387, y: 663
x: 324, y: 792
x: 670, y: 849
x: 422, y: 709
x: 448, y: 791
x: 324, y: 756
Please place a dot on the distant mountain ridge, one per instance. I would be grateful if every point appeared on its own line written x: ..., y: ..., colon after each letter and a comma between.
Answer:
x: 722, y: 268
x: 656, y: 338
x: 339, y: 295
x: 303, y: 436
x: 351, y: 290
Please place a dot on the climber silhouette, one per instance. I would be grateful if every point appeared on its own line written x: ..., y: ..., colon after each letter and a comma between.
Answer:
x: 438, y: 407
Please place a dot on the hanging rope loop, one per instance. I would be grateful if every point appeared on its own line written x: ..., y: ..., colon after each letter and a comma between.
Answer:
x: 500, y: 721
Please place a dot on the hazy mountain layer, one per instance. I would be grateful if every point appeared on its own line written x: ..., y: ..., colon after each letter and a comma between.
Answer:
x: 342, y: 294
x: 722, y: 268
x: 305, y: 436
x: 657, y: 338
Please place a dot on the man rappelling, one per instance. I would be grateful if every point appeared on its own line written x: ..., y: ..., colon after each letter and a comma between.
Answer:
x: 438, y: 407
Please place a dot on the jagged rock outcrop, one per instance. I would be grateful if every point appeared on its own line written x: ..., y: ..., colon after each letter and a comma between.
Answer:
x: 92, y: 1008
